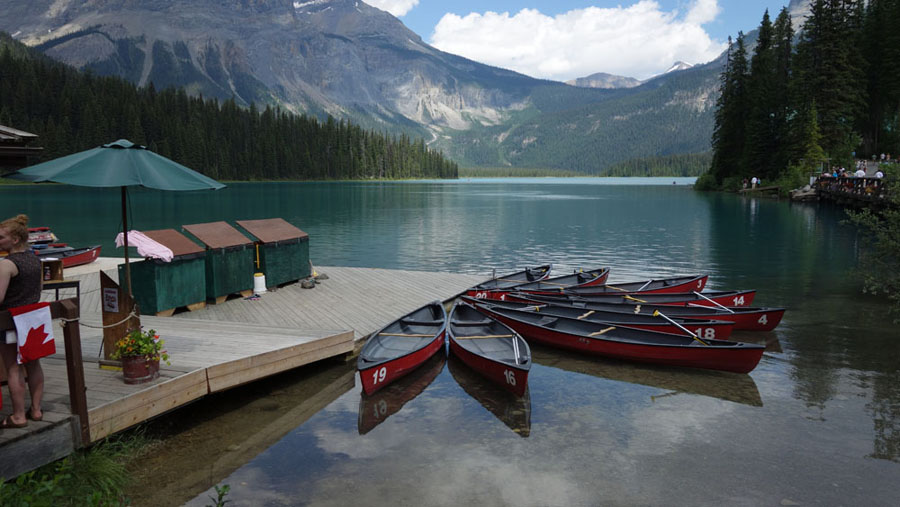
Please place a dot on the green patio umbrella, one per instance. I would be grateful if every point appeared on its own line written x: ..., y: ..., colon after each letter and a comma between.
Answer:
x: 118, y: 164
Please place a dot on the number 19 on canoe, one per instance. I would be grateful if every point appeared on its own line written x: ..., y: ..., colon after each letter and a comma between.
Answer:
x: 378, y: 375
x: 510, y: 377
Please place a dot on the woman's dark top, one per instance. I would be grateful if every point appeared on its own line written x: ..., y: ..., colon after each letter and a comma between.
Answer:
x: 24, y: 288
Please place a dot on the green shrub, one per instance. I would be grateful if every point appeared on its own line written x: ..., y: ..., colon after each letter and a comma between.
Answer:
x: 879, y: 255
x: 706, y: 182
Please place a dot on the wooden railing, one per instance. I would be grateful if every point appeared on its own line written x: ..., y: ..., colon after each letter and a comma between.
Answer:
x: 861, y: 191
x: 67, y: 309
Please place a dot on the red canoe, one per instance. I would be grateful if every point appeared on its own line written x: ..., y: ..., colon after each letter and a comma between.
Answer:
x: 39, y: 235
x: 511, y: 280
x: 713, y: 298
x: 661, y: 286
x: 553, y: 285
x: 401, y: 346
x: 704, y: 328
x: 71, y: 256
x: 630, y: 344
x: 490, y: 348
x: 745, y: 318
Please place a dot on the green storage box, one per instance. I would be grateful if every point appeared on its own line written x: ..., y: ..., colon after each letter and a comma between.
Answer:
x: 283, y: 250
x: 160, y: 286
x: 230, y: 258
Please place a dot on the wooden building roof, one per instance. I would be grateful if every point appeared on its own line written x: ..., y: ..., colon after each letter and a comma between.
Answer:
x: 14, y: 150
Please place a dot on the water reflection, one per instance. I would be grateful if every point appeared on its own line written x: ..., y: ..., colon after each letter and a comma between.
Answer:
x: 767, y: 338
x: 512, y: 410
x: 209, y: 440
x: 885, y: 411
x: 732, y: 387
x: 375, y: 409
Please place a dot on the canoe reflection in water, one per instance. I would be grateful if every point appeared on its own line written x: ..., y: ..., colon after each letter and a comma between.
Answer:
x: 375, y: 408
x: 733, y: 387
x: 513, y: 411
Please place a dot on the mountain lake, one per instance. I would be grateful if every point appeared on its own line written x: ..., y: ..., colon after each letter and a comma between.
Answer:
x: 816, y: 423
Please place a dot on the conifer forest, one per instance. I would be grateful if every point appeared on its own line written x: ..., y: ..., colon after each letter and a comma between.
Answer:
x: 795, y: 103
x: 73, y: 111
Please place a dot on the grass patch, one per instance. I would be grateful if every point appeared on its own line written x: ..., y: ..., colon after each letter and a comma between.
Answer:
x: 89, y: 477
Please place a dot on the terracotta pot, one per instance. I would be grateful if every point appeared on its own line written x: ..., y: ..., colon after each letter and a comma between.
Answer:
x: 139, y: 369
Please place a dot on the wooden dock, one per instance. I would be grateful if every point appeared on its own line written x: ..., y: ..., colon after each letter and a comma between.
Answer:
x: 771, y: 188
x: 214, y: 349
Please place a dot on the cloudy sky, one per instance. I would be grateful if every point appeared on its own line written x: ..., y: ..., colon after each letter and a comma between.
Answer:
x: 565, y: 39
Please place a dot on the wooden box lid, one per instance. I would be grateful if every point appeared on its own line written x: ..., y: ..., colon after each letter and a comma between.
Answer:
x: 270, y: 230
x: 218, y: 234
x: 175, y: 241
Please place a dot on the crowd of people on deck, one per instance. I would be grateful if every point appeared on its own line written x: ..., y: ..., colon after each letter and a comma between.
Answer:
x: 858, y: 181
x: 860, y: 172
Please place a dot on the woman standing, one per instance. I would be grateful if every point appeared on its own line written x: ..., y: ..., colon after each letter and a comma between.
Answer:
x: 20, y: 284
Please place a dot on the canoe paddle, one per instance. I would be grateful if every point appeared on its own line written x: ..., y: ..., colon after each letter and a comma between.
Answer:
x: 656, y: 313
x: 713, y: 302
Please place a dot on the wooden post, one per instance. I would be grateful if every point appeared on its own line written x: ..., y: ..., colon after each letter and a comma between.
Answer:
x: 115, y: 310
x: 125, y: 240
x: 75, y: 367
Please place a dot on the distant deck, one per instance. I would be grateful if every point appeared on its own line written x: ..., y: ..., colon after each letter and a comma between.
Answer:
x: 867, y: 192
x: 215, y: 348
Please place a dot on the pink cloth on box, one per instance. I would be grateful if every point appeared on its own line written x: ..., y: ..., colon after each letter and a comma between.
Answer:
x: 146, y: 247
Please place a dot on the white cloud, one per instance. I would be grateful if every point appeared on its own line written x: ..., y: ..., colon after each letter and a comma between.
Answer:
x: 639, y: 41
x: 396, y: 7
x: 703, y: 11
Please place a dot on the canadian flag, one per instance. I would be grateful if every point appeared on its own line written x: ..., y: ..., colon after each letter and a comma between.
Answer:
x: 34, y: 328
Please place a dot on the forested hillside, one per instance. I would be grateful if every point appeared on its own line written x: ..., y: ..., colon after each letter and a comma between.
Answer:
x: 790, y: 109
x: 71, y: 111
x: 689, y: 164
x: 666, y: 116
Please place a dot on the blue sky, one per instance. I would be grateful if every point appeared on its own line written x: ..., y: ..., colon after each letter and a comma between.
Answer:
x: 565, y: 39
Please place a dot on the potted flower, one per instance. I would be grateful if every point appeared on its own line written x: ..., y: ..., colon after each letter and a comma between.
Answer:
x: 140, y: 352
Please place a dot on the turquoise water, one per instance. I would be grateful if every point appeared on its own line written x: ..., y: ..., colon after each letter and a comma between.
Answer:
x: 817, y: 422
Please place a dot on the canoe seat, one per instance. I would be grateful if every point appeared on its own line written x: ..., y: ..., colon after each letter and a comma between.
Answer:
x: 408, y: 335
x: 414, y: 322
x: 480, y: 336
x: 483, y: 322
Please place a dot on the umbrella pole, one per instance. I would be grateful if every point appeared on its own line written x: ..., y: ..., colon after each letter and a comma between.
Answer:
x: 125, y: 241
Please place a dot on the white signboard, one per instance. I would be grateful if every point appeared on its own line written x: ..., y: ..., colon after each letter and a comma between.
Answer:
x: 111, y: 300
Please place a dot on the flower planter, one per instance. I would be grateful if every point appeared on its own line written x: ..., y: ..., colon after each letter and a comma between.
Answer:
x: 139, y: 369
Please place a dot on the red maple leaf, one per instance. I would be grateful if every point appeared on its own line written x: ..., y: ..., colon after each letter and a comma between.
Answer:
x: 37, y: 333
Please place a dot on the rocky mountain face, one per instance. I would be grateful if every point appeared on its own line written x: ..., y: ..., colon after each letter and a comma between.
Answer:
x: 604, y: 80
x: 611, y: 81
x: 348, y: 59
x: 341, y: 57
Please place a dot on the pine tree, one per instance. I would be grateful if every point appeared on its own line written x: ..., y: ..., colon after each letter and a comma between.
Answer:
x: 813, y: 154
x: 731, y: 111
x: 828, y: 76
x: 783, y: 50
x: 761, y: 85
